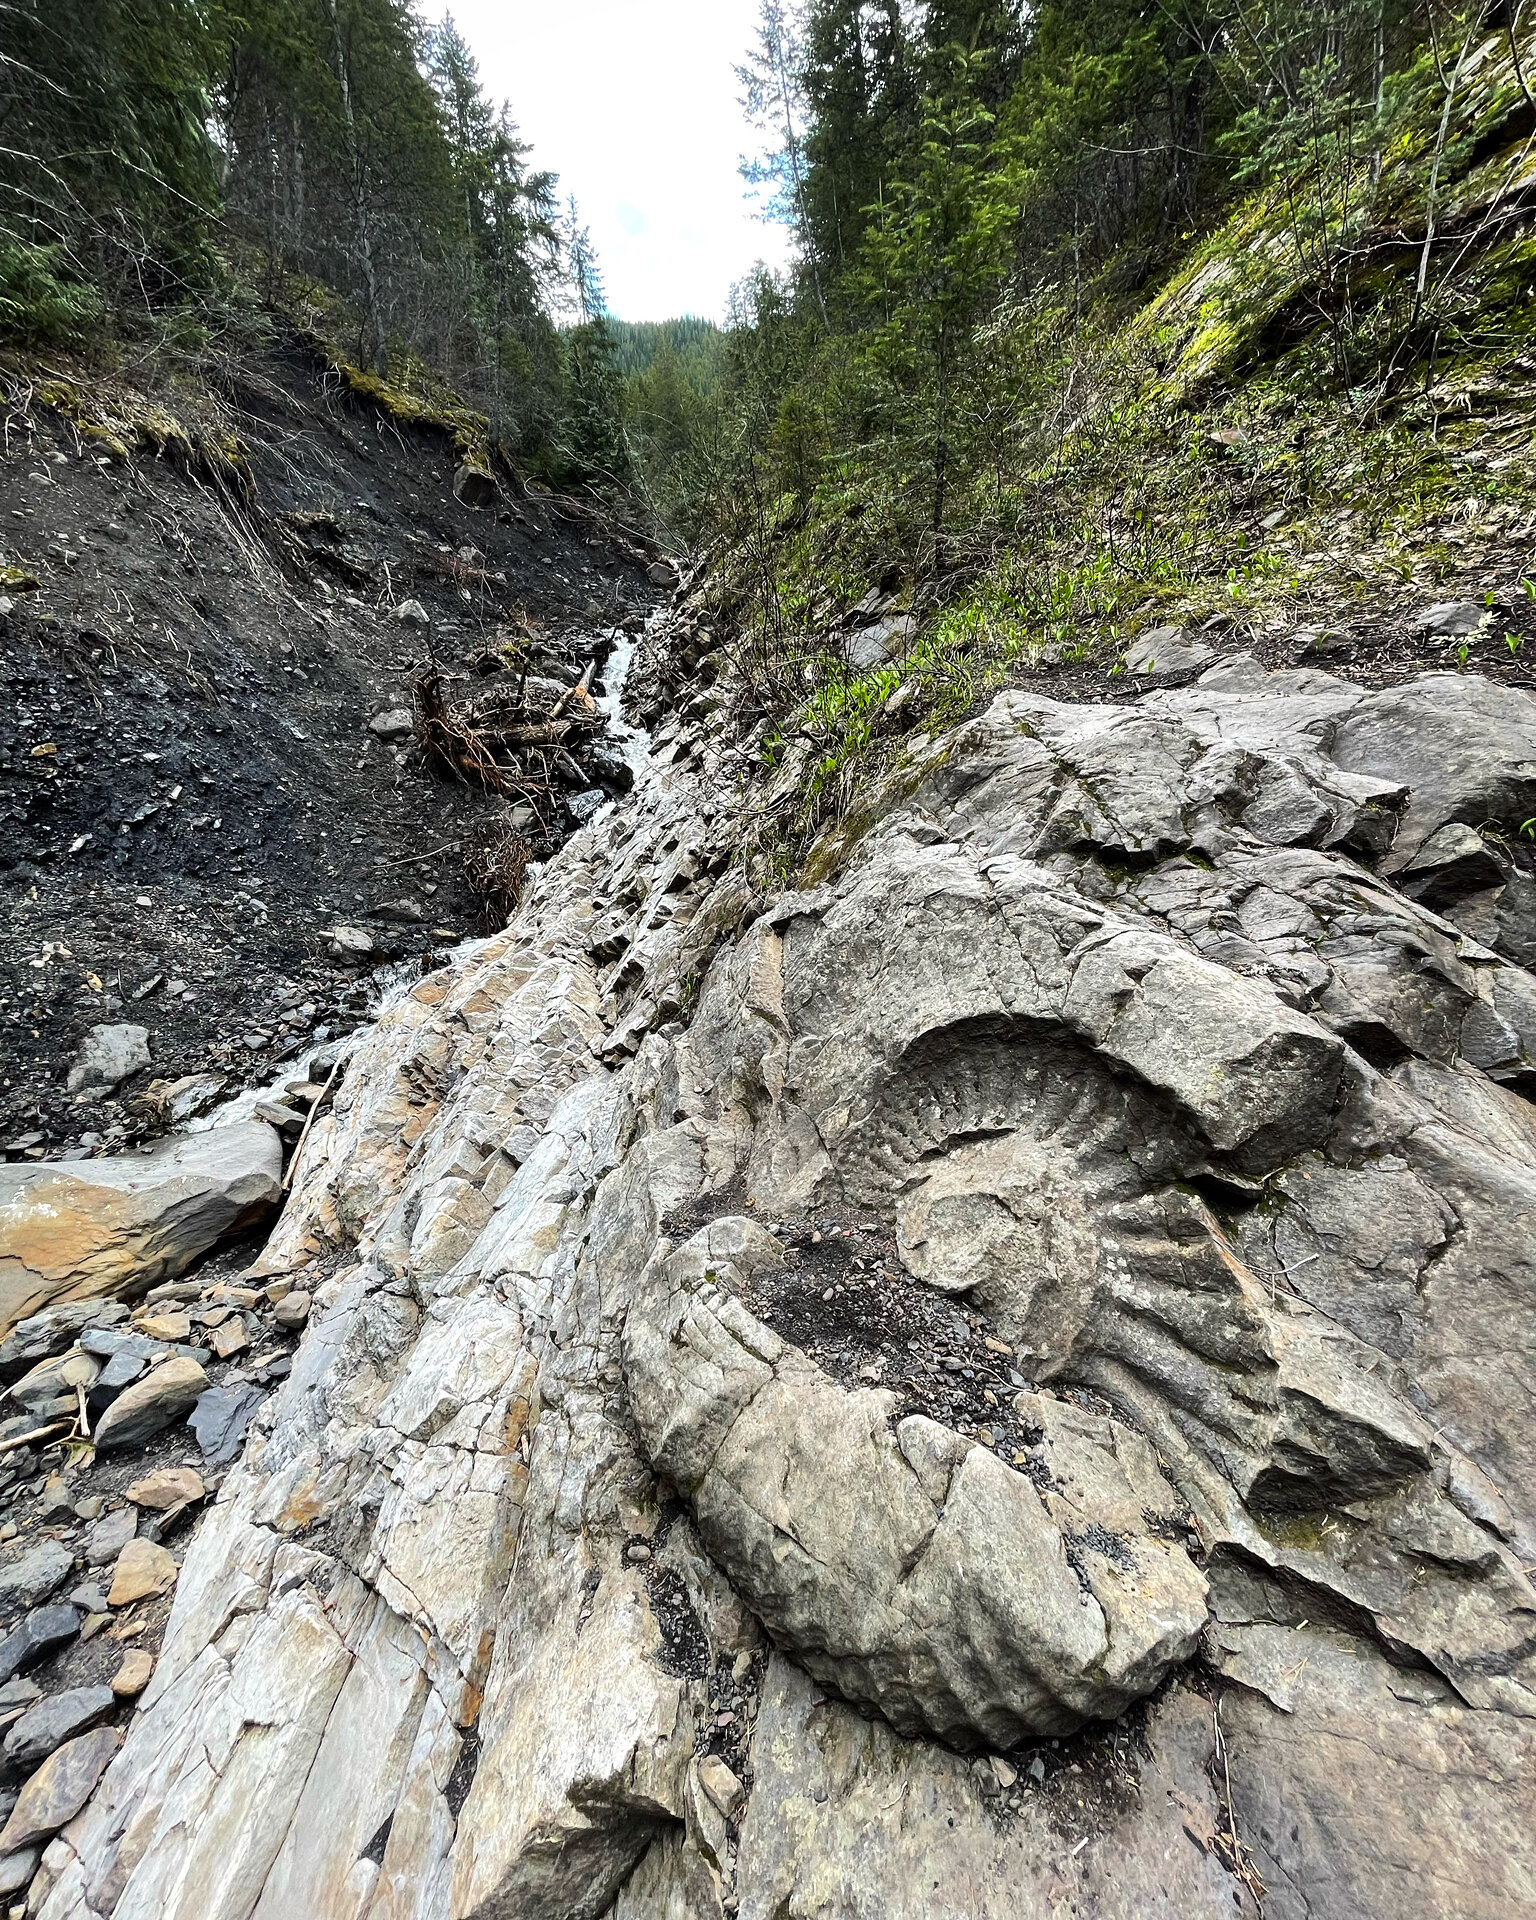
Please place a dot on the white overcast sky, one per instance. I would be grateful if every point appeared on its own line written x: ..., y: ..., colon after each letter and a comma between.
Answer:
x: 634, y: 104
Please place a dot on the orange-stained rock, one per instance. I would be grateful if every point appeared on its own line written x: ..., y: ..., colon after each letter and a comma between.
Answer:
x: 89, y: 1229
x: 143, y: 1571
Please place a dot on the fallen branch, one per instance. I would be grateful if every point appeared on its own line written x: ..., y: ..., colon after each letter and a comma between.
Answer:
x: 31, y: 1439
x: 314, y: 1111
x: 479, y: 742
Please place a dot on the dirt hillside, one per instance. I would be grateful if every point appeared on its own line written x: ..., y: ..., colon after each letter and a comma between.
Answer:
x: 191, y: 794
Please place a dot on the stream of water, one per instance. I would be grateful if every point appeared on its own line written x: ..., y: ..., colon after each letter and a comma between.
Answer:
x: 390, y: 982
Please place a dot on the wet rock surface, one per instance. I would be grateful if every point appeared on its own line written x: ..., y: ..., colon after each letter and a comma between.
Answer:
x: 987, y: 1385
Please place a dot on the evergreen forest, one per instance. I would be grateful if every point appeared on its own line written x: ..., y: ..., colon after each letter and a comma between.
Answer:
x: 1071, y: 283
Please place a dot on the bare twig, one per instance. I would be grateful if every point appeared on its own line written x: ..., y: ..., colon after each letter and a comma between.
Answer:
x: 314, y: 1114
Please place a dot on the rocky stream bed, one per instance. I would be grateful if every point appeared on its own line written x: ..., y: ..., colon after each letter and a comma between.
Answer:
x: 996, y: 1384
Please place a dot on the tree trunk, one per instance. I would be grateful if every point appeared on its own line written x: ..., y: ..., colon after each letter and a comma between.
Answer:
x: 378, y: 351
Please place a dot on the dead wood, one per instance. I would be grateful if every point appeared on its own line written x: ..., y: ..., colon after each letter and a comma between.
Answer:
x: 496, y: 873
x: 500, y: 742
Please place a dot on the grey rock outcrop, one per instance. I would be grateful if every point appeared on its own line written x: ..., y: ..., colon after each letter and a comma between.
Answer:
x: 1178, y: 1046
x: 1162, y: 651
x: 108, y: 1056
x: 904, y: 1565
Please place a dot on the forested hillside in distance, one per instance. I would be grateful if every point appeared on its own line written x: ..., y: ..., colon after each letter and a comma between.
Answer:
x: 1107, y: 315
x: 638, y: 344
x: 672, y: 372
x: 173, y: 166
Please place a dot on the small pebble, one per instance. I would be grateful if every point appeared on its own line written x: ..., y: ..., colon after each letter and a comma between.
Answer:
x: 292, y: 1310
x: 132, y: 1677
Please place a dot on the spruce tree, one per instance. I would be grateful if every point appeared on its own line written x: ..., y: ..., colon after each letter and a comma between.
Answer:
x: 111, y: 178
x: 860, y: 93
x: 930, y: 268
x: 594, y: 409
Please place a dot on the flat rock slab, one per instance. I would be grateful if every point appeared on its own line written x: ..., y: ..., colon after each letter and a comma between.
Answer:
x: 1454, y: 617
x: 143, y: 1572
x: 1083, y: 1022
x: 38, y: 1573
x: 163, y: 1395
x: 167, y: 1488
x: 220, y: 1421
x: 108, y: 1056
x: 55, y: 1380
x: 17, y: 1869
x: 45, y: 1727
x: 1166, y: 650
x: 59, y: 1789
x: 82, y: 1229
x: 44, y: 1631
x: 167, y: 1328
x: 109, y: 1536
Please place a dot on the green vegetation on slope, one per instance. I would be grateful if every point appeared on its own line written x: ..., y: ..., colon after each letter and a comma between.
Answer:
x: 1149, y: 315
x: 175, y: 170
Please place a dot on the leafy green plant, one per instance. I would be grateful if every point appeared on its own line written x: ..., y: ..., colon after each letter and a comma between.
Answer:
x: 41, y: 301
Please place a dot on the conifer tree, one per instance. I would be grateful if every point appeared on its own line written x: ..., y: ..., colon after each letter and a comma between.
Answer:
x: 594, y: 414
x: 937, y: 255
x: 772, y: 82
x: 109, y: 176
x: 860, y: 93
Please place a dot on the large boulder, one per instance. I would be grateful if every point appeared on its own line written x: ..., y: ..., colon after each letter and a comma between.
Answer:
x: 905, y: 1565
x: 82, y: 1229
x: 997, y: 1383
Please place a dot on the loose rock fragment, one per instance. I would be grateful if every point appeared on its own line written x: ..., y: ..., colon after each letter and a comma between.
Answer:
x: 39, y: 1572
x: 82, y: 1229
x: 163, y: 1395
x: 43, y: 1631
x: 724, y: 1789
x: 229, y: 1339
x: 59, y: 1789
x: 133, y: 1676
x: 220, y: 1420
x: 166, y: 1488
x: 108, y: 1056
x: 109, y: 1536
x: 143, y: 1571
x: 59, y: 1718
x: 170, y: 1328
x: 17, y: 1869
x: 292, y: 1311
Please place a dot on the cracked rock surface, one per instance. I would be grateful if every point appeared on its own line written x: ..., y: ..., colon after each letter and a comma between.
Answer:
x: 1179, y: 1056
